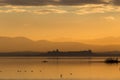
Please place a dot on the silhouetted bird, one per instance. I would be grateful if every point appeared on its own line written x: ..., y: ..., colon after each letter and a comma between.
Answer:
x: 70, y: 73
x: 61, y: 75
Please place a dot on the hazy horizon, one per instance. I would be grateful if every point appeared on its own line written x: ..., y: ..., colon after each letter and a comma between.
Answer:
x: 89, y: 24
x: 59, y: 20
x: 13, y: 44
x: 59, y: 39
x: 110, y: 40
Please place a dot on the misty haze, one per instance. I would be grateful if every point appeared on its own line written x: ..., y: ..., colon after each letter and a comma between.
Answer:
x: 59, y: 39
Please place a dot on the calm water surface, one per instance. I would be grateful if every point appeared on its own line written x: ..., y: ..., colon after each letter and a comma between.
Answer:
x: 57, y: 69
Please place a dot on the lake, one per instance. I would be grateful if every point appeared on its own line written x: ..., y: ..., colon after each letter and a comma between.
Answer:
x: 38, y: 68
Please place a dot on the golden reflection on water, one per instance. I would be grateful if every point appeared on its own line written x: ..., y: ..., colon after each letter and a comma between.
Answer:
x: 34, y: 68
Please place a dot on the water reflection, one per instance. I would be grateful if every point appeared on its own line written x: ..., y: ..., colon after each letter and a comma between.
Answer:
x: 58, y: 69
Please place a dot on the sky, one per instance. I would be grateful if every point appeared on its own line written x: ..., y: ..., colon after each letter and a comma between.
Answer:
x: 60, y: 20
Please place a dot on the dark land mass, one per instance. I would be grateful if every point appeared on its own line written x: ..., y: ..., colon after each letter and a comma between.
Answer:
x: 18, y: 44
x: 24, y: 47
x: 57, y: 53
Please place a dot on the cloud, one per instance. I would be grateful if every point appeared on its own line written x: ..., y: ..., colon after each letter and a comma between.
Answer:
x: 13, y: 10
x: 115, y: 2
x: 95, y: 8
x: 57, y: 2
x: 109, y: 18
x: 80, y: 7
x: 47, y: 11
x: 50, y: 2
x: 32, y: 10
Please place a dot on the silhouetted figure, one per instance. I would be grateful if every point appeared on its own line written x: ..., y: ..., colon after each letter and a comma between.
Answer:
x: 61, y: 75
x: 57, y: 50
x: 18, y: 70
x: 44, y: 61
x: 70, y: 73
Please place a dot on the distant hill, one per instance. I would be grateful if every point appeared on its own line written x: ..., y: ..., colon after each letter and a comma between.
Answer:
x: 8, y: 44
x: 104, y: 41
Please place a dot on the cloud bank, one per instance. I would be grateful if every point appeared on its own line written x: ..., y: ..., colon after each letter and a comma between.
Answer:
x: 51, y: 2
x: 57, y: 2
x: 79, y: 7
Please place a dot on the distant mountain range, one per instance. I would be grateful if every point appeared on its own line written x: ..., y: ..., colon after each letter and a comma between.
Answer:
x: 104, y: 41
x: 8, y: 44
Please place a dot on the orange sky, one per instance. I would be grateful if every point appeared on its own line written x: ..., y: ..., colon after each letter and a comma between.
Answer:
x: 61, y: 23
